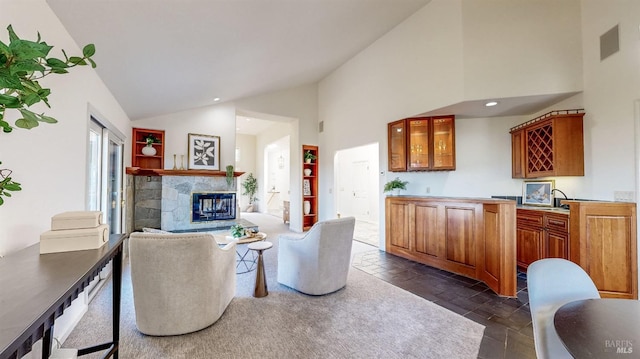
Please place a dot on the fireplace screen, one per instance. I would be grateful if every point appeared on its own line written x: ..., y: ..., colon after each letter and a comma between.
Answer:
x: 213, y: 206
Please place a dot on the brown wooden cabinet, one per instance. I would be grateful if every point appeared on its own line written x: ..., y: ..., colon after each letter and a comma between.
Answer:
x: 603, y: 242
x: 422, y: 144
x: 138, y: 159
x: 474, y: 238
x: 549, y: 145
x: 541, y: 234
x: 309, y: 187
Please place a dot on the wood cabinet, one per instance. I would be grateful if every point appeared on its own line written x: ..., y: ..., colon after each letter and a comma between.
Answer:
x: 541, y: 234
x: 422, y: 144
x: 309, y: 187
x: 603, y: 242
x: 549, y: 145
x: 474, y: 238
x: 138, y: 159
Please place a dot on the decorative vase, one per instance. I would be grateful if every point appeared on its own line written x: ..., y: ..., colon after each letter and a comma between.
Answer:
x: 307, y: 171
x: 306, y: 207
x: 148, y: 151
x: 174, y: 162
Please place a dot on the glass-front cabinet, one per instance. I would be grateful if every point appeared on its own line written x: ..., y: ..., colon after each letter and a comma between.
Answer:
x: 444, y: 155
x: 422, y: 144
x: 418, y: 144
x: 397, y: 136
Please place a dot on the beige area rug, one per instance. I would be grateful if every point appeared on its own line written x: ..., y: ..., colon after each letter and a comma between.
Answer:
x: 369, y: 318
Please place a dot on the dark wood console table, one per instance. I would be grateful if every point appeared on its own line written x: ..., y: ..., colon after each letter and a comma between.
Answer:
x: 35, y: 290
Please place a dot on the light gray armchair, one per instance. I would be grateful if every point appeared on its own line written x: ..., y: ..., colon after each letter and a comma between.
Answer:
x: 181, y: 282
x: 318, y: 262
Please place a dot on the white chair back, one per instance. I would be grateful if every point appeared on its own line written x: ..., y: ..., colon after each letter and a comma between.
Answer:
x: 551, y: 283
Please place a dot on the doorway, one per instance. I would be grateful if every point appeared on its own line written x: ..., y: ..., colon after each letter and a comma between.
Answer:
x: 357, y: 186
x: 105, y: 174
x: 277, y: 179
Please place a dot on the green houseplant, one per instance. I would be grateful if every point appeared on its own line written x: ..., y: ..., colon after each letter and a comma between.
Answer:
x: 237, y: 231
x: 309, y: 156
x: 229, y: 176
x: 395, y: 185
x: 250, y: 186
x: 22, y: 64
x: 150, y: 139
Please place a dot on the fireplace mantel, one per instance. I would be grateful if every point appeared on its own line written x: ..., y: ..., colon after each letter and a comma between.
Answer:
x: 137, y: 171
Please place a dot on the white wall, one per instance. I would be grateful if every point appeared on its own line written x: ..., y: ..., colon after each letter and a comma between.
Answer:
x: 50, y: 161
x: 217, y: 120
x: 246, y: 163
x: 520, y: 48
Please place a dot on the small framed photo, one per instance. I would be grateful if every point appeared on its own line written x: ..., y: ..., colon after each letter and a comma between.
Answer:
x: 306, y: 187
x: 538, y: 193
x: 204, y: 152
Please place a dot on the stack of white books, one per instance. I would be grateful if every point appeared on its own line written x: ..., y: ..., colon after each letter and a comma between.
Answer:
x: 75, y: 231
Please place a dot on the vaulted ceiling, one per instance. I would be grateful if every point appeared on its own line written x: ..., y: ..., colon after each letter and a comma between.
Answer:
x: 163, y: 56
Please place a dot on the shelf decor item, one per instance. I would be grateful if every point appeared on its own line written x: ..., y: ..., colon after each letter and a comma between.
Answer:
x: 149, y: 150
x: 204, y: 152
x: 538, y: 193
x: 309, y: 156
x: 306, y: 187
x: 306, y: 207
x: 307, y: 171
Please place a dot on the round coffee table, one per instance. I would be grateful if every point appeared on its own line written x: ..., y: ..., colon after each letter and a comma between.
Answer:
x: 244, y: 262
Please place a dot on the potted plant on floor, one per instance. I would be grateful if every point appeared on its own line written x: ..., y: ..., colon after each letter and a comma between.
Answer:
x: 250, y: 186
x: 22, y: 64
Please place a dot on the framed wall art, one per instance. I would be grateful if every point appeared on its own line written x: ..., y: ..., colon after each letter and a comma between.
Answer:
x: 204, y: 152
x: 538, y: 193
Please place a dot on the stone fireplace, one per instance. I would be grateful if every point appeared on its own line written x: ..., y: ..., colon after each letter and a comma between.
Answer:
x: 197, y: 203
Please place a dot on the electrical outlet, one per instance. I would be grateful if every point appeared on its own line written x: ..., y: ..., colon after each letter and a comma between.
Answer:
x: 624, y: 196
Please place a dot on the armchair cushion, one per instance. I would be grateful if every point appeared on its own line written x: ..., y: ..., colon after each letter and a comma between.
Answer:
x: 318, y: 262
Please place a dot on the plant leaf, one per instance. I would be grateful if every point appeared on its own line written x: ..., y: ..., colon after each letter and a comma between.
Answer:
x: 57, y: 63
x: 89, y: 50
x: 77, y: 60
x: 47, y: 119
x: 93, y: 64
x: 6, y: 128
x: 1, y: 201
x: 26, y: 124
x: 9, y: 101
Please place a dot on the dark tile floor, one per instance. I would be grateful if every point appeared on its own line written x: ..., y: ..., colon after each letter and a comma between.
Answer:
x: 508, y: 333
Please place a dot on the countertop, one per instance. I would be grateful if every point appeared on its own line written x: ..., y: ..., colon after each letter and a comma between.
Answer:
x: 545, y: 209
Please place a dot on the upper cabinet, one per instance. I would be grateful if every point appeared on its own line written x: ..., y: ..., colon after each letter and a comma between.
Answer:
x: 549, y: 145
x: 422, y: 144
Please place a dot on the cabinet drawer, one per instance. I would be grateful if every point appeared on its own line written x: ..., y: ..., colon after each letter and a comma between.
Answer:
x: 531, y: 218
x: 557, y: 222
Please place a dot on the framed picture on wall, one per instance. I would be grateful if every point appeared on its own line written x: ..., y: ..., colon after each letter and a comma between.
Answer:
x: 538, y: 193
x: 204, y: 152
x: 306, y: 187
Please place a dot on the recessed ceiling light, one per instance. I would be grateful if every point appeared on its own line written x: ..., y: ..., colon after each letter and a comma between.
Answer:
x: 216, y: 99
x: 491, y: 103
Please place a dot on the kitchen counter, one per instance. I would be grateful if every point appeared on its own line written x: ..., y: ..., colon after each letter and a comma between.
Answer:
x: 473, y: 237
